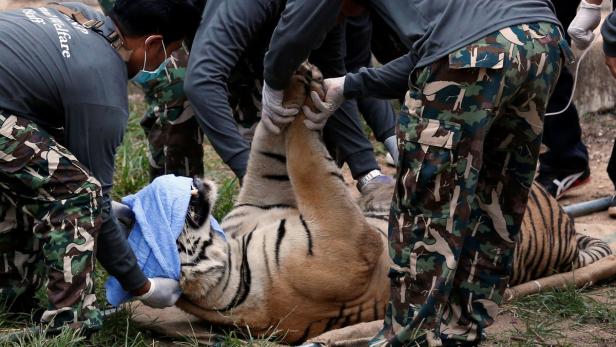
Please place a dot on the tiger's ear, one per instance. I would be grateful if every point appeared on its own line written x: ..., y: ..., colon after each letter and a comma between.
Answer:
x: 201, y: 202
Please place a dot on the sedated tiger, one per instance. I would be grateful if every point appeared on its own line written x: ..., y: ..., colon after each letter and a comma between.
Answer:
x: 303, y: 257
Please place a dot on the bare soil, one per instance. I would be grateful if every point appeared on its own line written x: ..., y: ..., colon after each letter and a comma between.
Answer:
x: 599, y: 132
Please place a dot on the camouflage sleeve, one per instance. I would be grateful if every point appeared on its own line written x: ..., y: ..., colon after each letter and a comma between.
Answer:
x: 302, y: 28
x: 608, y: 31
x: 387, y: 82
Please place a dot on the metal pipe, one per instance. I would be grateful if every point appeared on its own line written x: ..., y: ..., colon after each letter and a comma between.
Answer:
x: 588, y: 207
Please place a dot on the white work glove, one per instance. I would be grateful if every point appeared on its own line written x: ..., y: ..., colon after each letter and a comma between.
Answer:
x: 334, y: 97
x: 164, y: 292
x: 273, y: 114
x: 586, y: 20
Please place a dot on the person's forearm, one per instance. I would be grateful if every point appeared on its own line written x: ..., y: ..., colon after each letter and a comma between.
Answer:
x: 211, y: 104
x: 115, y: 255
x: 221, y: 41
x: 387, y: 82
x: 329, y: 57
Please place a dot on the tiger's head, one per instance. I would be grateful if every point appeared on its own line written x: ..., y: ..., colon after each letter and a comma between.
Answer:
x: 203, y: 252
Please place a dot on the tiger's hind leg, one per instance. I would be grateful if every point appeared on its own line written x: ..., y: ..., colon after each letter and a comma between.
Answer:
x: 319, y: 188
x: 267, y: 182
x: 265, y: 187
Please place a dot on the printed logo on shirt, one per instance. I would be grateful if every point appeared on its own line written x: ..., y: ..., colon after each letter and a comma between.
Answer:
x: 60, y: 25
x: 31, y: 15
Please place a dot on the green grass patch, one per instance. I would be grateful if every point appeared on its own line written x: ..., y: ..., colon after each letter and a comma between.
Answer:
x: 568, y: 303
x: 132, y: 169
x: 227, y: 195
x: 545, y: 319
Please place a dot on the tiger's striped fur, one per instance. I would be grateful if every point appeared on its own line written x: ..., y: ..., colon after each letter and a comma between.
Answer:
x: 304, y: 257
x: 548, y: 243
x: 300, y: 255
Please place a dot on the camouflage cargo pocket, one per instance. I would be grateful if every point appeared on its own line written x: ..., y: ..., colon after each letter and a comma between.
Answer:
x: 427, y: 174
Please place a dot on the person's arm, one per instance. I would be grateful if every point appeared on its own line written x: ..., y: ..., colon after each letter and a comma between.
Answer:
x: 387, y: 82
x: 93, y: 132
x: 608, y: 31
x: 329, y: 57
x: 586, y: 20
x: 301, y: 29
x: 225, y: 32
x: 121, y: 262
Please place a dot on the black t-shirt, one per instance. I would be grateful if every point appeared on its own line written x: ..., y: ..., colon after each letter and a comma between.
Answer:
x: 61, y: 75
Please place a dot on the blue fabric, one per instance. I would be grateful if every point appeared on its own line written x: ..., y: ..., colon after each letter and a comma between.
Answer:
x: 160, y: 212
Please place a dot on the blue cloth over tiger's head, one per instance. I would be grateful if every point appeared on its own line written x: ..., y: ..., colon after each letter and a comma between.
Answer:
x: 162, y: 211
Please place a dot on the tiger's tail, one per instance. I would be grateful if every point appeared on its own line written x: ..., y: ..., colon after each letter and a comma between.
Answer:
x: 590, y: 250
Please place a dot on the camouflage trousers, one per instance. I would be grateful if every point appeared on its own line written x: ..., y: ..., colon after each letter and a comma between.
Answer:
x: 175, y: 139
x: 175, y: 142
x: 469, y: 137
x: 49, y: 220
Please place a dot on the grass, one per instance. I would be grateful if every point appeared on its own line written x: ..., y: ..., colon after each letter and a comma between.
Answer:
x: 564, y: 317
x: 227, y: 192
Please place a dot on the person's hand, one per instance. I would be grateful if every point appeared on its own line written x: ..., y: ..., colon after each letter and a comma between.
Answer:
x: 273, y: 114
x: 611, y: 64
x: 587, y: 19
x: 163, y: 292
x: 334, y: 97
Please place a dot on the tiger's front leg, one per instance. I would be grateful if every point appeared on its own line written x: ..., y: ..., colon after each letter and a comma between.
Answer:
x: 266, y: 186
x: 331, y: 215
x: 266, y: 182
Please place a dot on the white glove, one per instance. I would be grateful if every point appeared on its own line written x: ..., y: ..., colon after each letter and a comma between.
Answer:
x: 273, y: 114
x: 164, y: 292
x: 334, y: 97
x: 586, y: 20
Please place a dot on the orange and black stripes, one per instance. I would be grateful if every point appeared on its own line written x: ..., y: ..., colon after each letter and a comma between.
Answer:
x: 548, y: 243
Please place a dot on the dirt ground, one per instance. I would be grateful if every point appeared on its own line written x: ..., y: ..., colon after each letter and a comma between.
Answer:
x: 599, y: 132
